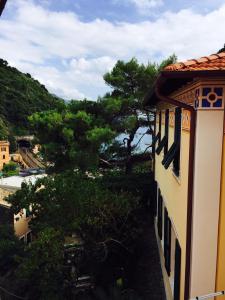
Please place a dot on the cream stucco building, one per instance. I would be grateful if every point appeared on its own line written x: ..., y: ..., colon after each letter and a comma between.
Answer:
x: 20, y: 222
x: 189, y: 146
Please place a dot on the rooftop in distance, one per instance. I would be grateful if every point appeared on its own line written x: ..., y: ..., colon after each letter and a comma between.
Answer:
x: 15, y: 182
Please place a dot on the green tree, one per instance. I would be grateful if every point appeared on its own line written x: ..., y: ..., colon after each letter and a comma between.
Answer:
x: 107, y: 132
x: 76, y: 203
x: 10, y: 248
x: 41, y: 267
x: 10, y: 169
x: 70, y: 139
x: 130, y: 81
x: 222, y: 49
x: 68, y: 204
x: 3, y: 130
x: 21, y: 96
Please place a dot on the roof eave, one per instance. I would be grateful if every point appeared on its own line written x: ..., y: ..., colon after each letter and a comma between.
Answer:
x: 183, y: 76
x: 193, y: 74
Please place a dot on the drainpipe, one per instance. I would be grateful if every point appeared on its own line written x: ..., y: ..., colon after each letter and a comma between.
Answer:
x: 190, y: 180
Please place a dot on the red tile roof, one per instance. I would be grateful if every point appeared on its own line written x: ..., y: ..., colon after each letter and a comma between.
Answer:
x: 212, y: 62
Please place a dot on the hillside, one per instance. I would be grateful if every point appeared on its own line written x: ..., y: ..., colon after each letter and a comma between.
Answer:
x: 20, y: 96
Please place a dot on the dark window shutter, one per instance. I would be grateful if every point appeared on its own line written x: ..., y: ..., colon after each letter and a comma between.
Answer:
x: 169, y: 245
x: 165, y: 229
x: 173, y: 155
x: 166, y: 131
x: 160, y: 215
x: 160, y: 125
x: 167, y: 241
x: 177, y: 271
x: 155, y: 139
x: 163, y: 143
x: 157, y: 136
x: 177, y: 138
x: 153, y: 203
x: 170, y: 155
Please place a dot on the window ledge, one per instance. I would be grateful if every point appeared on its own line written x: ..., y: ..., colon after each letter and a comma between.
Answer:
x: 178, y: 178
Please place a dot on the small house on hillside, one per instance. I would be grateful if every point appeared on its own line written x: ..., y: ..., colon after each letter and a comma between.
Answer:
x: 189, y: 163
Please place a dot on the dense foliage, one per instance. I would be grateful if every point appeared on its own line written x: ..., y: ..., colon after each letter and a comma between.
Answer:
x: 20, y: 96
x: 10, y: 248
x: 10, y: 169
x: 86, y: 198
x: 102, y: 216
x: 41, y: 266
x: 75, y: 203
x: 222, y: 49
x: 70, y: 139
x: 107, y: 132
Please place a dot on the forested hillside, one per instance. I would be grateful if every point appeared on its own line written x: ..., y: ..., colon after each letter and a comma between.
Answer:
x: 20, y: 96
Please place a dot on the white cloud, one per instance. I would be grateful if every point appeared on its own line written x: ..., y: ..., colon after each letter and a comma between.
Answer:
x: 70, y: 56
x: 79, y: 74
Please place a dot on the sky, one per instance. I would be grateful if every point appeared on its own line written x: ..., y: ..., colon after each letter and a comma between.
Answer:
x: 68, y: 45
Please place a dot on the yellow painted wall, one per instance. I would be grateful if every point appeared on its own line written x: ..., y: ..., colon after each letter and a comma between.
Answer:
x: 220, y: 282
x: 174, y: 191
x: 4, y: 154
x: 21, y: 226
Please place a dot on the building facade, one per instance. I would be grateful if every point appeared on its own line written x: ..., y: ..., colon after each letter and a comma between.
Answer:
x: 4, y: 153
x: 20, y: 222
x: 189, y: 147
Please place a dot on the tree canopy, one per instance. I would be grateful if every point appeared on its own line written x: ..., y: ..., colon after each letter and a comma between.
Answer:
x: 107, y: 132
x: 79, y: 140
x: 71, y: 203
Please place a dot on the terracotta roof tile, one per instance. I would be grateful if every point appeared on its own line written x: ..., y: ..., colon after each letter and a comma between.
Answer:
x: 211, y: 62
x: 222, y: 54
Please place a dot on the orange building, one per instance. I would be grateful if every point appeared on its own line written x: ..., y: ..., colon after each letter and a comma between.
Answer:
x: 189, y: 163
x: 4, y: 153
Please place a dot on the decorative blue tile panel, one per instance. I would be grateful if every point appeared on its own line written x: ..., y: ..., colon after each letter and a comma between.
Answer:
x: 205, y: 103
x: 211, y: 98
x: 206, y: 91
x: 218, y: 103
x: 218, y: 91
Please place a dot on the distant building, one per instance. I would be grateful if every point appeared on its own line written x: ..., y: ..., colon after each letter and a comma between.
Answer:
x: 20, y: 221
x: 4, y: 153
x: 190, y: 175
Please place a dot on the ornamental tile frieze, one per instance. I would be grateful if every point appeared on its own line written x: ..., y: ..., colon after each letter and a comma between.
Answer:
x: 209, y: 98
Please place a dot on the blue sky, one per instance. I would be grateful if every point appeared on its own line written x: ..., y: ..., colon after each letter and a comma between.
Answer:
x: 128, y: 10
x: 69, y: 44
